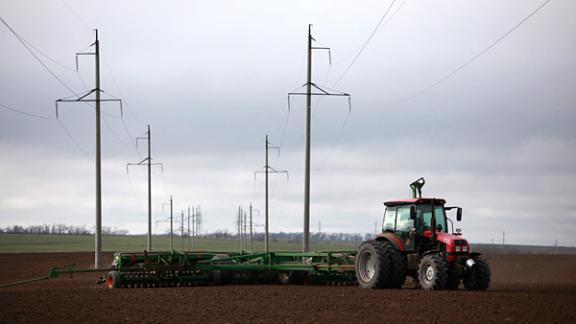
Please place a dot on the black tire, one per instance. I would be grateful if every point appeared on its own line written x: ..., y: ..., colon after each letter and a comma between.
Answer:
x: 454, y: 277
x: 113, y: 280
x: 398, y: 260
x: 478, y: 278
x: 432, y: 272
x: 292, y: 277
x: 222, y: 277
x: 373, y: 266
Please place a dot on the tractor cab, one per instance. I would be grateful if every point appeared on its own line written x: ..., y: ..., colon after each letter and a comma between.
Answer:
x: 420, y: 224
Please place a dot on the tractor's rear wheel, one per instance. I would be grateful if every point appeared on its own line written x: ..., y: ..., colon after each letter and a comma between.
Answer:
x: 478, y: 278
x: 432, y: 272
x: 113, y: 280
x: 373, y: 265
x: 398, y: 262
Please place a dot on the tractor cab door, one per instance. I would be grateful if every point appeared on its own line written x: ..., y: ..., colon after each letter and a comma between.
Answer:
x: 405, y: 227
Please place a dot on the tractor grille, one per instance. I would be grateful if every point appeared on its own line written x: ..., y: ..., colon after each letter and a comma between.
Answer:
x: 462, y: 248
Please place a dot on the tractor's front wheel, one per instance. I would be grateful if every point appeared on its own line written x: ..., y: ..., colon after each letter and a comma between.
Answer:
x: 454, y: 277
x: 478, y: 277
x: 432, y: 272
x: 373, y: 265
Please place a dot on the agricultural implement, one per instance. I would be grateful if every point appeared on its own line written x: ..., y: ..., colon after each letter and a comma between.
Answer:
x: 179, y: 269
x: 415, y: 242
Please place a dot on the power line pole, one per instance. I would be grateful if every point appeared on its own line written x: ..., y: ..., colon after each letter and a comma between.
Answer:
x: 245, y: 233
x: 556, y: 246
x: 193, y: 225
x: 239, y: 226
x: 97, y: 100
x: 268, y: 169
x: 251, y: 231
x: 309, y: 94
x: 188, y: 238
x: 98, y: 241
x: 182, y: 230
x: 149, y: 165
x: 171, y: 223
x: 198, y: 221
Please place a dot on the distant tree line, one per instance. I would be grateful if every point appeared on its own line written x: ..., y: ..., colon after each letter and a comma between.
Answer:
x: 294, y: 236
x: 59, y: 229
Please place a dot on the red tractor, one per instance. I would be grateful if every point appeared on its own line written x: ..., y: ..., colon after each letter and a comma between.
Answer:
x: 415, y: 242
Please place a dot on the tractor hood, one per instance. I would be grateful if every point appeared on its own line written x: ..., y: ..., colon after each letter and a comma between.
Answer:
x: 445, y: 238
x: 453, y: 243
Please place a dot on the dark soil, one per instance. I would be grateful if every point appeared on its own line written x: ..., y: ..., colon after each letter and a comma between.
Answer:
x: 525, y: 289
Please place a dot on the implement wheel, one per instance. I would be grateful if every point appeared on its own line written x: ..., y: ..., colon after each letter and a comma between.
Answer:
x: 373, y: 265
x: 292, y: 277
x: 113, y: 280
x: 222, y: 277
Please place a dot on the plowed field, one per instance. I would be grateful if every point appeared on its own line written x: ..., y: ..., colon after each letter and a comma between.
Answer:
x: 525, y: 289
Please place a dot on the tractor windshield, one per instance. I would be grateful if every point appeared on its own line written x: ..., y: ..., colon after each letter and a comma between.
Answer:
x: 426, y: 212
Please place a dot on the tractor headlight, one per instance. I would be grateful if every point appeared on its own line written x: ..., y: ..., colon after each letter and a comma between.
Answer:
x: 464, y: 248
x: 457, y: 248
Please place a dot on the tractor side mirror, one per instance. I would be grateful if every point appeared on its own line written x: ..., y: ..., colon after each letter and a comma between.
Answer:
x: 459, y: 214
x: 413, y: 214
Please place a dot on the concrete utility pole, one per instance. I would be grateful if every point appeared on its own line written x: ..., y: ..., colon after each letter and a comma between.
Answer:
x: 245, y: 233
x: 268, y: 169
x: 182, y: 230
x: 188, y: 238
x: 198, y: 221
x: 98, y: 158
x: 251, y: 231
x: 171, y: 222
x: 306, y: 239
x: 309, y: 94
x: 193, y: 225
x: 148, y: 163
x: 98, y: 240
x: 239, y: 227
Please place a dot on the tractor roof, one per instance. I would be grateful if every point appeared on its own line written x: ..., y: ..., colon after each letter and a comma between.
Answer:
x: 439, y: 201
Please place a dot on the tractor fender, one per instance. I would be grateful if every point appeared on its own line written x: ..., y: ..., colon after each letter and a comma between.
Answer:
x: 430, y: 252
x: 395, y: 240
x: 474, y: 255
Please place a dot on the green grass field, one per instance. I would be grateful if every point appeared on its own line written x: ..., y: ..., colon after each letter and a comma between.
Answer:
x: 18, y: 243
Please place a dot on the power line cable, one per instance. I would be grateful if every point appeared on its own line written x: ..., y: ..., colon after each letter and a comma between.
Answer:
x: 345, y: 123
x: 88, y: 156
x: 26, y: 113
x: 338, y: 137
x: 75, y: 15
x: 24, y: 43
x: 366, y: 42
x: 477, y: 56
x: 62, y: 65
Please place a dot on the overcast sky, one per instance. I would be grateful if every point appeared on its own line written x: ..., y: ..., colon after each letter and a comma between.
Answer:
x: 212, y: 77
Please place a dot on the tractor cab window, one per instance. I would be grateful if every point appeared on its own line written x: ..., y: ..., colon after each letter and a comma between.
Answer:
x: 425, y: 212
x: 403, y: 221
x: 389, y: 219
